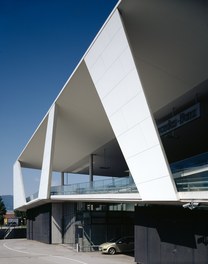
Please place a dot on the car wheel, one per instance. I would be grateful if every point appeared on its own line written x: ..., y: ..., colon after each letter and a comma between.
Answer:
x: 112, y: 251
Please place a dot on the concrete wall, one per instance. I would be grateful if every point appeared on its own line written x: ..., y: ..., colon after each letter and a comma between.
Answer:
x: 39, y: 223
x: 63, y: 222
x: 69, y: 223
x: 170, y: 234
x: 56, y: 223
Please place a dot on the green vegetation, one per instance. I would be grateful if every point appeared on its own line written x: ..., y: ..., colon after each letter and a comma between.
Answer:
x: 2, y: 211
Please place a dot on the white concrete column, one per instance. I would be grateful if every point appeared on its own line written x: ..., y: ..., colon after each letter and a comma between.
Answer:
x: 18, y: 192
x: 46, y: 173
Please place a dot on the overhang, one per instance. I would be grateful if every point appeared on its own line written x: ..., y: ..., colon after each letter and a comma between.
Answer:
x: 82, y: 127
x: 169, y: 42
x: 174, y: 54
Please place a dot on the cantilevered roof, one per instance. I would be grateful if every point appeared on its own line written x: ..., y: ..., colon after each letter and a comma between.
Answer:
x: 169, y: 44
x: 82, y: 126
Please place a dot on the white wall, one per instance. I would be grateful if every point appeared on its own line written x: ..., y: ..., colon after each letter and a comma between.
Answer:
x: 46, y: 173
x: 113, y: 71
x: 19, y: 191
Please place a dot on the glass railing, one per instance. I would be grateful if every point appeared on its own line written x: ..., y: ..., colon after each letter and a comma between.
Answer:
x: 112, y: 185
x: 121, y: 185
x: 191, y: 174
x: 32, y: 197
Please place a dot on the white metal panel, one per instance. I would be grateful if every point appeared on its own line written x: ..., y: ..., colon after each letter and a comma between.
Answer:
x: 126, y: 118
x: 19, y: 191
x: 121, y: 93
x: 46, y: 173
x: 119, y: 96
x: 133, y: 141
x: 148, y: 165
x: 98, y: 197
x: 112, y: 54
x: 147, y: 127
x: 157, y: 189
x: 118, y: 122
x: 135, y: 106
x: 119, y: 68
x: 103, y: 40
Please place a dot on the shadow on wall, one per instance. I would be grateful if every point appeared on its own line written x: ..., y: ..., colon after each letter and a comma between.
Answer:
x: 171, y: 234
x: 175, y: 225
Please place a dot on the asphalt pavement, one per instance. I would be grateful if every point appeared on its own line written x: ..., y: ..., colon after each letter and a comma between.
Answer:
x: 22, y: 251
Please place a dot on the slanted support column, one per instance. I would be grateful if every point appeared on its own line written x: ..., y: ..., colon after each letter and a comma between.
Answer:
x: 91, y: 170
x: 114, y: 73
x: 46, y: 173
x: 19, y: 191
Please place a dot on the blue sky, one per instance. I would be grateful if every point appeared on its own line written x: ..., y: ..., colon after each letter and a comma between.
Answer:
x: 41, y: 42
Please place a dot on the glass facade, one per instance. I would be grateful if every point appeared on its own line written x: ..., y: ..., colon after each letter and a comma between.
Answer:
x: 191, y: 174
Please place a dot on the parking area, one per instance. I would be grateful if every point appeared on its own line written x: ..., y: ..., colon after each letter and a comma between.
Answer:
x: 20, y: 251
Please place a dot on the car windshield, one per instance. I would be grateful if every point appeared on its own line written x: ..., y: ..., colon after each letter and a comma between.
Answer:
x: 114, y: 239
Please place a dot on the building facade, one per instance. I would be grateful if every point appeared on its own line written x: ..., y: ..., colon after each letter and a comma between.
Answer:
x: 134, y: 110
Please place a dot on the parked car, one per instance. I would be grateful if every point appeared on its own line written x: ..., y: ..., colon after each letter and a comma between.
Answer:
x: 118, y: 245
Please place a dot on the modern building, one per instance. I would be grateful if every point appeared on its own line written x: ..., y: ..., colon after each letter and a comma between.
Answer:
x: 135, y: 109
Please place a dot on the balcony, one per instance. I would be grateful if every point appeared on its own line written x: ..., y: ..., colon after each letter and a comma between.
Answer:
x: 111, y: 185
x: 120, y: 185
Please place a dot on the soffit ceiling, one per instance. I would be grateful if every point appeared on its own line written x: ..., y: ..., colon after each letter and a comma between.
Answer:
x: 169, y: 41
x: 82, y: 129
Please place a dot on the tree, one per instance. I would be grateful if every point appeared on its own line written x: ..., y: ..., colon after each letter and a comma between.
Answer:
x: 22, y: 216
x: 2, y: 211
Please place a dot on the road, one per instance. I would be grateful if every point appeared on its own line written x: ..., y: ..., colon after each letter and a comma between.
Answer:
x: 22, y: 251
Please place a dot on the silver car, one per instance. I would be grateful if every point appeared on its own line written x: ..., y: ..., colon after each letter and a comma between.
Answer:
x: 118, y: 245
